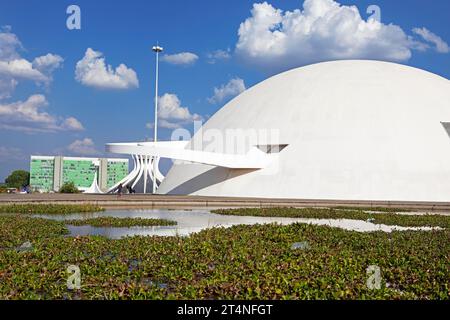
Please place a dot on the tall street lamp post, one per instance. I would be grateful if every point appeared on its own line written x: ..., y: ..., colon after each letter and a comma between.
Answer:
x: 156, y: 49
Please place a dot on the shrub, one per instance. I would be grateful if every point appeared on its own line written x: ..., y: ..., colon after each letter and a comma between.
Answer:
x: 69, y: 187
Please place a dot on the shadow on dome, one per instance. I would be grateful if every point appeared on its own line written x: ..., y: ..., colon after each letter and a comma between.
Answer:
x: 209, y: 178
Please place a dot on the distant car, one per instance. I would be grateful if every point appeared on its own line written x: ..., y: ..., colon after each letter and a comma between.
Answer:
x: 11, y: 190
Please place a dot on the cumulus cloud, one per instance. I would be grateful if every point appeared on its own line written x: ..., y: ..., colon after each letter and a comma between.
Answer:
x: 9, y: 44
x: 14, y: 68
x: 231, y: 89
x: 85, y: 147
x: 169, y: 107
x: 47, y: 63
x: 171, y: 114
x: 440, y: 45
x: 322, y: 30
x: 28, y: 116
x: 72, y: 123
x: 92, y: 71
x: 21, y: 69
x: 218, y: 55
x: 28, y: 111
x: 183, y: 58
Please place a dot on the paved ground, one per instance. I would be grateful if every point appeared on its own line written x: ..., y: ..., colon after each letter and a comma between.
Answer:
x: 165, y: 201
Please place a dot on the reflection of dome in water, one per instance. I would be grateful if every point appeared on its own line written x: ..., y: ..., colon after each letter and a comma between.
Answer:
x: 354, y: 130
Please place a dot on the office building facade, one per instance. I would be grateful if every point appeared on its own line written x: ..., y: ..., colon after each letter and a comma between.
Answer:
x: 49, y: 173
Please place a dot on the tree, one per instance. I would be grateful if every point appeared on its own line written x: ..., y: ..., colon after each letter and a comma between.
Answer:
x: 69, y: 187
x: 18, y: 179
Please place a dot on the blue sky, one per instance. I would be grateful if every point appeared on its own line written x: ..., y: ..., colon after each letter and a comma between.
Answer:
x: 46, y: 109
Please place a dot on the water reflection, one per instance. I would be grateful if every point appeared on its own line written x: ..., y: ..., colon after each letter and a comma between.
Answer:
x: 192, y: 221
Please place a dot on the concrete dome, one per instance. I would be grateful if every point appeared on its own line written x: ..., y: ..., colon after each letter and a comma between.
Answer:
x: 354, y: 130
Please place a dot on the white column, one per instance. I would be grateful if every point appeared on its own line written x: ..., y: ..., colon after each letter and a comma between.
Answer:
x: 145, y: 173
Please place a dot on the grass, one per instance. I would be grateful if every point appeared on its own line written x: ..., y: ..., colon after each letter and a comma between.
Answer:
x: 241, y: 262
x: 49, y: 208
x: 314, y: 213
x: 120, y: 222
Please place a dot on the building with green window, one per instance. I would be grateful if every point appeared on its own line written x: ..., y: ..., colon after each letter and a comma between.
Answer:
x: 49, y: 173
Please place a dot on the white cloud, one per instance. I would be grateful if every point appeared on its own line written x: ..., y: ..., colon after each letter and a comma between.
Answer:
x: 10, y: 153
x: 92, y: 71
x: 47, y: 63
x: 171, y: 114
x: 218, y: 55
x: 7, y: 86
x: 21, y: 69
x: 169, y: 125
x: 14, y: 68
x: 183, y: 58
x: 84, y: 147
x: 427, y: 35
x: 169, y: 108
x: 28, y: 116
x: 72, y: 123
x: 28, y: 111
x: 162, y: 123
x: 9, y: 44
x: 323, y: 30
x: 231, y: 89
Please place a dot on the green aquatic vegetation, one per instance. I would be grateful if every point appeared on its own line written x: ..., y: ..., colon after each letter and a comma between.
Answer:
x: 241, y: 262
x: 429, y: 220
x: 315, y: 213
x: 119, y: 222
x: 16, y: 230
x: 407, y: 220
x: 376, y: 209
x: 49, y: 208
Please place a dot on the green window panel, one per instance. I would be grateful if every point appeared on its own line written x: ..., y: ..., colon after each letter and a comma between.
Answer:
x: 80, y: 172
x: 116, y: 171
x: 41, y: 174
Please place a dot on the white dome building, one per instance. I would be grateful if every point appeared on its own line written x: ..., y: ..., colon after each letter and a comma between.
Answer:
x: 346, y: 130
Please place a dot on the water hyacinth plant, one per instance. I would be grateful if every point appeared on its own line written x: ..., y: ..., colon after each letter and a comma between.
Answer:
x: 241, y: 262
x: 119, y: 222
x: 406, y: 220
x: 16, y: 230
x: 49, y: 208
